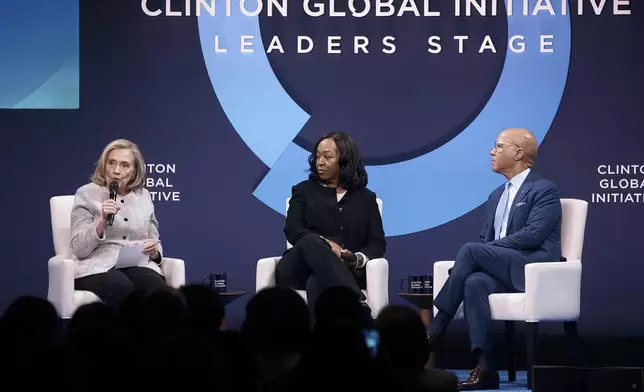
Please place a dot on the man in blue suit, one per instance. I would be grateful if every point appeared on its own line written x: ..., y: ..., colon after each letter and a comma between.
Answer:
x: 522, y: 225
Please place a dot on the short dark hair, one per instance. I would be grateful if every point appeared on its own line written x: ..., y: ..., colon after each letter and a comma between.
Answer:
x: 403, y: 338
x: 353, y: 174
x: 278, y: 320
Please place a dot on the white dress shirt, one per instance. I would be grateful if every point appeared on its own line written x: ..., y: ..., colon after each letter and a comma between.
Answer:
x: 515, y: 184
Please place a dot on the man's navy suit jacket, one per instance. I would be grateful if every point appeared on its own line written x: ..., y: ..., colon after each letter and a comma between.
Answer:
x: 534, y: 224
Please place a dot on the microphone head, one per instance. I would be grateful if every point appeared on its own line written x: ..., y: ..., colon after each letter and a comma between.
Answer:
x: 114, y: 185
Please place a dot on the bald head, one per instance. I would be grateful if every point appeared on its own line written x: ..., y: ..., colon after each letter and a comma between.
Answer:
x: 524, y: 139
x: 516, y: 150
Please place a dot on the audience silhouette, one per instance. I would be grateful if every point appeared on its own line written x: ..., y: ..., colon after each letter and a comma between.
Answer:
x: 175, y: 340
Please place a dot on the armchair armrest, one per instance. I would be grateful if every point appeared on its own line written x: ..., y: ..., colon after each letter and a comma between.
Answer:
x: 553, y: 291
x: 441, y: 273
x: 377, y: 271
x: 265, y: 274
x: 61, y: 285
x: 174, y: 271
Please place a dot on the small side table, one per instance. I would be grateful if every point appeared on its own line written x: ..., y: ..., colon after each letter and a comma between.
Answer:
x: 425, y: 305
x: 227, y: 298
x: 230, y: 296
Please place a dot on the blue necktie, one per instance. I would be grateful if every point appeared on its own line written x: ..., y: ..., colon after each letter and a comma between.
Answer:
x: 500, y: 211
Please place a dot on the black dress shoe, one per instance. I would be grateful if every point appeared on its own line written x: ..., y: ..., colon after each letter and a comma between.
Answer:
x: 480, y: 379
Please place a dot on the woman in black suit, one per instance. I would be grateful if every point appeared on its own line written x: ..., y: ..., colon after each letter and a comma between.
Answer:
x: 333, y: 222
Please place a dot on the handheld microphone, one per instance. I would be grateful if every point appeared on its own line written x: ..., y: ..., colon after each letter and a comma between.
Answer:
x: 114, y: 186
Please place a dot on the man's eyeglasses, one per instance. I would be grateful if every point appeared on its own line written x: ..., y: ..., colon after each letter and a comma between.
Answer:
x: 499, y: 146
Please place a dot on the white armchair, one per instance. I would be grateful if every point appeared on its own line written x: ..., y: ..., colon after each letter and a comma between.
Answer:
x: 61, y: 291
x: 552, y: 290
x: 377, y: 271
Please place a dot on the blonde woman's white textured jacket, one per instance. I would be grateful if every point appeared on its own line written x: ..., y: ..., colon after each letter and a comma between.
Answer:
x: 134, y: 222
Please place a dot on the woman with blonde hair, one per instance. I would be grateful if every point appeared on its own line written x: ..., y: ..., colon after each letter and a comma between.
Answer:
x: 96, y: 244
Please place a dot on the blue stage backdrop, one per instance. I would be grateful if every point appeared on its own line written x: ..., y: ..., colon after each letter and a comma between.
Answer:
x: 226, y: 100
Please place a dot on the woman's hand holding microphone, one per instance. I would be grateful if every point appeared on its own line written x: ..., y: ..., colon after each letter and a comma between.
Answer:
x: 108, y: 207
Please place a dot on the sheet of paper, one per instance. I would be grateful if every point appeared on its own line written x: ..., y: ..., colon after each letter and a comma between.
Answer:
x: 131, y: 256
